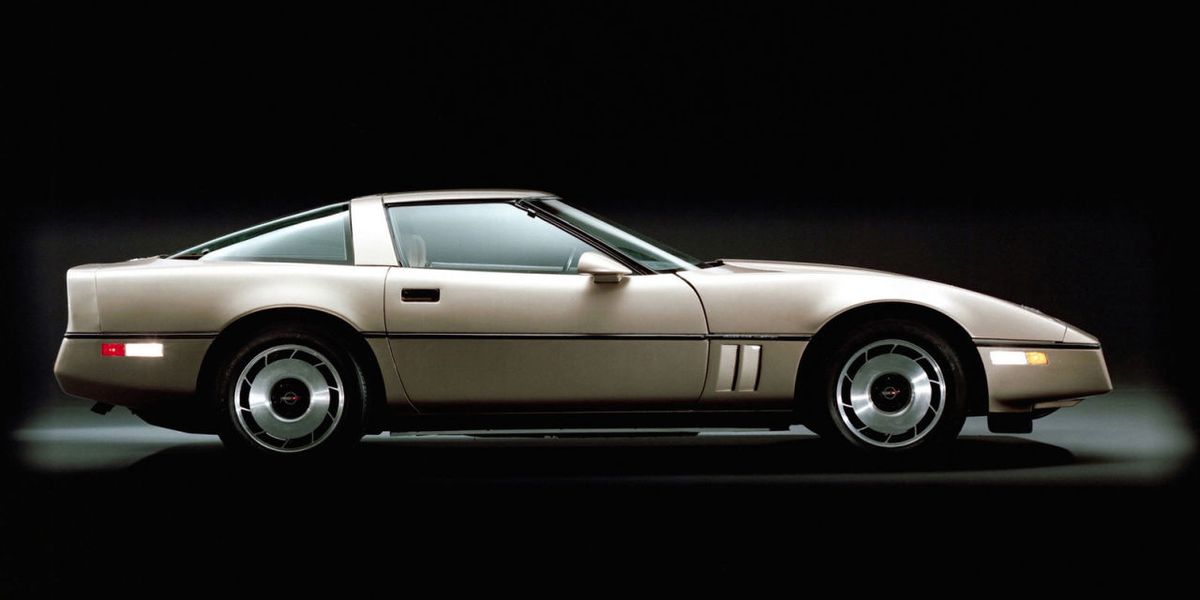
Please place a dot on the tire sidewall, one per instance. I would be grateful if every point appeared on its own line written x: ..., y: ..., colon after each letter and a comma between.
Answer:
x: 954, y: 410
x: 349, y: 427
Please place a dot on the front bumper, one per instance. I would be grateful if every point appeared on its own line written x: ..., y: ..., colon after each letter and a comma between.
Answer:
x: 1071, y: 371
x: 131, y: 381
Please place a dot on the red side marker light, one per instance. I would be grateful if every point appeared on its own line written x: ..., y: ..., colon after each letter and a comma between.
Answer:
x: 112, y: 349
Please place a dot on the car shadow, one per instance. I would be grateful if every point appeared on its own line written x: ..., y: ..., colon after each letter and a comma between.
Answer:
x: 546, y: 460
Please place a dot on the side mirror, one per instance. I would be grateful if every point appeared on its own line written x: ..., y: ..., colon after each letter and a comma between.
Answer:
x: 602, y: 268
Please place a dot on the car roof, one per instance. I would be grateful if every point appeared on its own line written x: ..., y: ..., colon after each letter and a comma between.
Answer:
x: 482, y: 194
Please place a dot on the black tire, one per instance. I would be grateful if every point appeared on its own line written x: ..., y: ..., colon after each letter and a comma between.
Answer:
x: 938, y: 409
x: 340, y: 417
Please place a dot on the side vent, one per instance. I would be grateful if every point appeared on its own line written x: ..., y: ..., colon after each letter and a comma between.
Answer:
x: 737, y: 368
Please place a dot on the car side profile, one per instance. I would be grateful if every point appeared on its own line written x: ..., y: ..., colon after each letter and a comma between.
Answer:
x: 472, y: 310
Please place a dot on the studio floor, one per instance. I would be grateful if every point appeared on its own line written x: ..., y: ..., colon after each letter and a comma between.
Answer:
x: 1135, y: 436
x: 110, y: 500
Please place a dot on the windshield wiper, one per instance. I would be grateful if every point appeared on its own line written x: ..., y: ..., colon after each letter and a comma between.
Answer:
x: 716, y: 262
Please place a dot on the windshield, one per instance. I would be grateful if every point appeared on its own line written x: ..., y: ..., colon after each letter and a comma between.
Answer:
x: 639, y: 248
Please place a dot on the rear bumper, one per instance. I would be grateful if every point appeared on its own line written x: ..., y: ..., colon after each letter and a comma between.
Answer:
x: 1071, y: 371
x: 131, y: 381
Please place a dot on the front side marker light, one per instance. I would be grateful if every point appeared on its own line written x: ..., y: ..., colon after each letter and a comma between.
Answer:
x: 1037, y: 358
x: 1016, y: 357
x: 148, y: 350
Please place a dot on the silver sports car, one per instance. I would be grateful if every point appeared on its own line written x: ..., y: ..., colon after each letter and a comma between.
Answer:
x: 511, y: 310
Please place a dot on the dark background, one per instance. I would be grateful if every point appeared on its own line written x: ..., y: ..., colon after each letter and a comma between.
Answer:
x: 1015, y: 152
x: 1005, y: 152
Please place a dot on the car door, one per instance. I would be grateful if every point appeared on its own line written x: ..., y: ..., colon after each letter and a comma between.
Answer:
x: 488, y: 313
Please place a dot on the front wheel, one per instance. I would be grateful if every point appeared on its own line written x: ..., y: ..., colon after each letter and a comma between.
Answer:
x: 290, y: 391
x: 892, y: 387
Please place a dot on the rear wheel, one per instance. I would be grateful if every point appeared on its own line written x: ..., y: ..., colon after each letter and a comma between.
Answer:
x: 892, y: 387
x: 290, y: 391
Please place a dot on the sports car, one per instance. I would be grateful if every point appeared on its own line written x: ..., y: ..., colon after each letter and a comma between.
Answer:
x: 510, y: 310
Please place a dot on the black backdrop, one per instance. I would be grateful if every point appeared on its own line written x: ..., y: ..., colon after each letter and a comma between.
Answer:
x: 1003, y: 151
x: 1021, y: 153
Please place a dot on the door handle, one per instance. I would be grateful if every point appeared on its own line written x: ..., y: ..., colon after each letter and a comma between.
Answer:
x: 420, y: 294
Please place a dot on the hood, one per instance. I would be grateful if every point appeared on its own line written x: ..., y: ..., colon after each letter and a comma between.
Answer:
x: 746, y: 265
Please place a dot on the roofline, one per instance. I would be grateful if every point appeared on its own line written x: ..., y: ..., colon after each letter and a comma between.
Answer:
x: 467, y: 194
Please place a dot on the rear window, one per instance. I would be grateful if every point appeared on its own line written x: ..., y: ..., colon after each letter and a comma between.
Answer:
x: 317, y: 236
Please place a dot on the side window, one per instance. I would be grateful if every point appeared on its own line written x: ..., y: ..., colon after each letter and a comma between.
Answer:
x: 315, y: 237
x: 482, y: 237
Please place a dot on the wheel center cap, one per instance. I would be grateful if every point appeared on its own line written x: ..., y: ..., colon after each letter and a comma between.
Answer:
x: 289, y: 398
x: 891, y: 392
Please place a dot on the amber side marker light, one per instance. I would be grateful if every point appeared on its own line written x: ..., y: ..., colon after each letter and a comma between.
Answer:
x: 1037, y: 358
x: 154, y: 350
x: 1016, y: 357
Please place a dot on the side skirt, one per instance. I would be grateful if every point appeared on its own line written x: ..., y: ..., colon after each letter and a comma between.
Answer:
x: 765, y: 419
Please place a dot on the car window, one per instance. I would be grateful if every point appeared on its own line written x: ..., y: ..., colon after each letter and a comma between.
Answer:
x: 321, y: 236
x: 653, y: 255
x: 482, y: 237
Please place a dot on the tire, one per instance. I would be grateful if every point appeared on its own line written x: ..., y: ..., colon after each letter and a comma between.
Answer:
x: 290, y: 390
x: 891, y: 387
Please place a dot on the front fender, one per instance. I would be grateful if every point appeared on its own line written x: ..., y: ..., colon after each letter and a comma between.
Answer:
x: 800, y: 302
